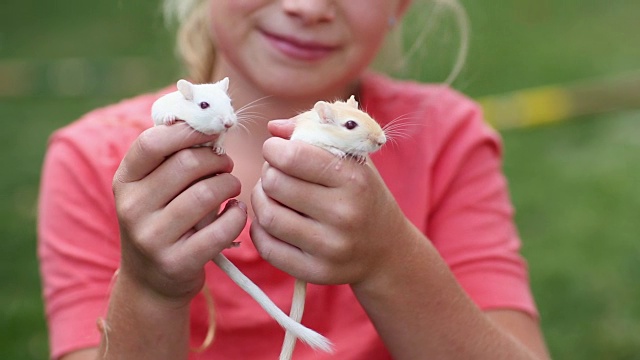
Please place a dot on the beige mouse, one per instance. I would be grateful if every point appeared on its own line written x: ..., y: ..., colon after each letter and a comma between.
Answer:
x: 341, y: 128
x: 344, y: 130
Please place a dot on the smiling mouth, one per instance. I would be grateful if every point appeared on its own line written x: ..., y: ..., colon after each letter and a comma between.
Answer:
x: 298, y: 49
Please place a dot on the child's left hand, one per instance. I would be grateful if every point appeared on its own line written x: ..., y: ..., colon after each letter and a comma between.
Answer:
x: 321, y: 219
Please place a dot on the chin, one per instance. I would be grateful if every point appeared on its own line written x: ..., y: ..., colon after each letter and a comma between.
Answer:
x: 307, y: 87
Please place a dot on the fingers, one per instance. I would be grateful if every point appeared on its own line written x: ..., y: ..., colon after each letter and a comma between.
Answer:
x: 304, y: 197
x: 281, y: 128
x: 306, y: 162
x: 179, y: 171
x: 282, y: 222
x: 196, y: 202
x: 163, y: 188
x: 153, y: 146
x: 197, y: 249
x: 293, y: 242
x: 278, y: 253
x: 300, y: 264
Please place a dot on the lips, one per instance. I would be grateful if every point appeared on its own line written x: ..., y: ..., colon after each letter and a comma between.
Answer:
x: 299, y: 49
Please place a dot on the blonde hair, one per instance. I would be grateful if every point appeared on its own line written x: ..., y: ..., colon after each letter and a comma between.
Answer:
x: 194, y: 44
x: 197, y: 51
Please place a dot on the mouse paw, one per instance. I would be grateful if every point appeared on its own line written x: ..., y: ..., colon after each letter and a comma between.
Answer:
x: 169, y: 119
x: 361, y: 159
x: 219, y: 150
x: 337, y: 152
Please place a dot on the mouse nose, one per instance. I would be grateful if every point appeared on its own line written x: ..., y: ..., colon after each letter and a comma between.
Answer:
x: 228, y: 123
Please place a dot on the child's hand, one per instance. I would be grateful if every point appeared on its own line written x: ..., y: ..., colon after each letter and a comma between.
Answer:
x: 322, y: 219
x: 163, y: 188
x: 281, y: 128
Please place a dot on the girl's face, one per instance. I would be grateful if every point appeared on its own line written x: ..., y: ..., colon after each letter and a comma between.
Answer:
x: 299, y: 48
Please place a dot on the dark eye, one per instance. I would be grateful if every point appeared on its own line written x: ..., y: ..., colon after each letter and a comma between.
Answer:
x: 350, y: 125
x: 204, y: 105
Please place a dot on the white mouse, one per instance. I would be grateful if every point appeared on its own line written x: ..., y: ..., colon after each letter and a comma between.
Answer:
x: 344, y: 130
x: 205, y: 107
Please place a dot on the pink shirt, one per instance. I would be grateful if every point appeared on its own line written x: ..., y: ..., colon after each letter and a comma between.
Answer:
x: 445, y: 173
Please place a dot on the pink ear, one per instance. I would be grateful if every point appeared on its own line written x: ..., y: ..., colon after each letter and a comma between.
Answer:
x: 324, y: 112
x: 352, y: 102
x: 224, y: 84
x: 186, y: 89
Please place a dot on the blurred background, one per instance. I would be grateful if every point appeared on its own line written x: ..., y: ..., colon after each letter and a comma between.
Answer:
x: 559, y: 79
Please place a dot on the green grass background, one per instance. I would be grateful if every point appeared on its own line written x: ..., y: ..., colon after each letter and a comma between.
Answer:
x: 574, y: 184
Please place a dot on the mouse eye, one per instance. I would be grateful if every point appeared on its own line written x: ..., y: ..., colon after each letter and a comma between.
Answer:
x: 350, y: 125
x: 204, y: 105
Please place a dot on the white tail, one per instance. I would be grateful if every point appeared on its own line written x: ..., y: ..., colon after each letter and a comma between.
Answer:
x: 297, y: 309
x: 310, y: 337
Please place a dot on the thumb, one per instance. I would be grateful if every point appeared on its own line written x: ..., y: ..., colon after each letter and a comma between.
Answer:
x: 281, y: 128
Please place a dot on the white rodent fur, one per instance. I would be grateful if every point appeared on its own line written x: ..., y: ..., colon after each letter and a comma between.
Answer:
x: 205, y: 107
x: 344, y: 130
x: 217, y: 118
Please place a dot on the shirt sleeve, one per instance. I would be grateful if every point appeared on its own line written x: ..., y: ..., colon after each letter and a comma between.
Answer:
x: 472, y: 219
x: 78, y: 237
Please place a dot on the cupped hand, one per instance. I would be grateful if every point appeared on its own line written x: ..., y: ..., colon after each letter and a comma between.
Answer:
x: 163, y: 188
x: 322, y: 219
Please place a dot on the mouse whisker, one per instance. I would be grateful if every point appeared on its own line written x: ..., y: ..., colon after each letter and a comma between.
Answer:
x: 398, y: 133
x: 400, y: 127
x: 251, y: 117
x: 252, y: 104
x: 243, y: 127
x: 405, y: 119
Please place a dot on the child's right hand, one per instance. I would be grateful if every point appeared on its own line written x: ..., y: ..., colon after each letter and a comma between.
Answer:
x: 163, y: 188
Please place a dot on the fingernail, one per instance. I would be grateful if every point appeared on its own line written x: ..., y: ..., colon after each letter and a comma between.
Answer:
x: 240, y: 204
x: 280, y: 121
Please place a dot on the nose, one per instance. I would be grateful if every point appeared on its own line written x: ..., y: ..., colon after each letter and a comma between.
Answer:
x: 227, y: 122
x: 310, y: 11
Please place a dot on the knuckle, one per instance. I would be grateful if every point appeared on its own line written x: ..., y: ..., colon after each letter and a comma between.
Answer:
x: 171, y: 265
x: 269, y: 180
x: 117, y: 182
x: 340, y: 250
x: 322, y: 273
x: 264, y: 251
x: 226, y: 229
x: 215, y: 189
x: 231, y: 183
x: 345, y: 216
x: 203, y: 193
x: 359, y: 183
x: 127, y: 207
x: 266, y: 220
x: 146, y: 239
x: 289, y: 155
x: 145, y: 143
x: 187, y: 160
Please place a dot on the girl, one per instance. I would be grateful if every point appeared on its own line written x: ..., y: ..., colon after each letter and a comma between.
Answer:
x: 414, y: 258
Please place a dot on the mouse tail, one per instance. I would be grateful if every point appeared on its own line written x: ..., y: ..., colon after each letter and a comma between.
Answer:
x: 297, y: 309
x: 306, y: 335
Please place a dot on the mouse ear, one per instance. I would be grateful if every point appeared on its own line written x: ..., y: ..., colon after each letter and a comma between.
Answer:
x: 323, y: 109
x: 352, y: 102
x: 186, y: 89
x: 224, y: 84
